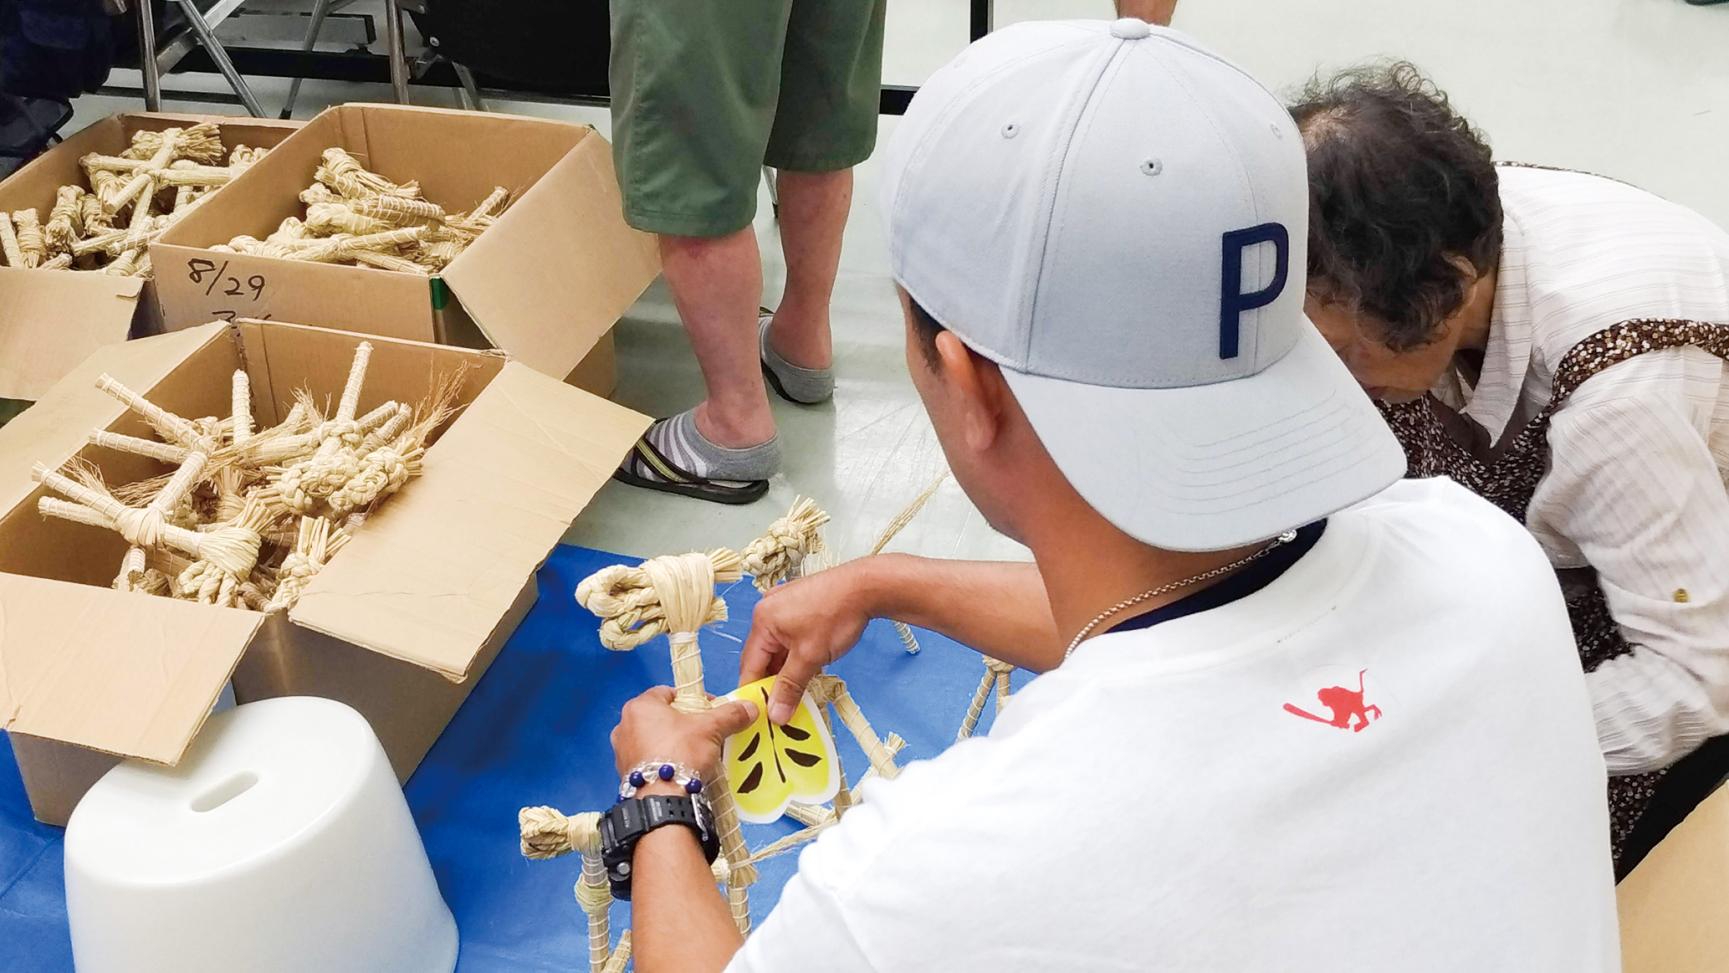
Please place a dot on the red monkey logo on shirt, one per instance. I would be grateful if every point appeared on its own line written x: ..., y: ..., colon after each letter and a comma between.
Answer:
x: 1346, y: 704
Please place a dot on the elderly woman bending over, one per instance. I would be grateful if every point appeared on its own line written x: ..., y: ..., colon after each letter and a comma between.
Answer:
x: 1556, y: 341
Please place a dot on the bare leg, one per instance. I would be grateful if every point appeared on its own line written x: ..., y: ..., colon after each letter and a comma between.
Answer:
x: 717, y: 284
x: 813, y: 215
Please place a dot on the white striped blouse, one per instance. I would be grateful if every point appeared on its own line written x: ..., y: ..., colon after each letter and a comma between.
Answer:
x: 1638, y: 484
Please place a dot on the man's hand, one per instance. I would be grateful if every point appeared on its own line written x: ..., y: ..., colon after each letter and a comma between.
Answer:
x: 650, y: 729
x: 802, y: 626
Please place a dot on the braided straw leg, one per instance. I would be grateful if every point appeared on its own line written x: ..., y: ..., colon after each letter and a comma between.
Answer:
x: 842, y: 797
x: 1003, y: 671
x: 165, y: 452
x: 976, y: 708
x: 809, y: 815
x: 894, y: 745
x: 690, y: 696
x: 9, y: 242
x: 738, y: 900
x: 167, y: 423
x: 595, y: 897
x: 909, y: 641
x: 350, y: 403
x: 240, y: 407
x: 741, y: 874
x: 131, y: 570
x: 882, y: 761
x: 620, y: 956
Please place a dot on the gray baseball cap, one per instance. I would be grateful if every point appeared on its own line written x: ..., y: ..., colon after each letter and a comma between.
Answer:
x: 1119, y: 219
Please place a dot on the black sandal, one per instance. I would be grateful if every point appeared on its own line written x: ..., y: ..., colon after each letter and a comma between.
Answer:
x: 673, y: 479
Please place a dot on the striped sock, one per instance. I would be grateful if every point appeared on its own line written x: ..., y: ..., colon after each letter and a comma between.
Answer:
x: 680, y: 441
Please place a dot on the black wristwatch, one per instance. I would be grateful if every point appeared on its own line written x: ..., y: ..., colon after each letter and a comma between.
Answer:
x: 623, y: 826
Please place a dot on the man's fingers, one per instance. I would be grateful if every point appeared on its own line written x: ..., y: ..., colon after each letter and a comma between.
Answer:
x: 789, y: 686
x: 650, y: 698
x: 761, y: 656
x: 731, y: 717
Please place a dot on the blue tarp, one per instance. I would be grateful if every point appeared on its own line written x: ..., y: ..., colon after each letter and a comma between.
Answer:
x: 534, y: 732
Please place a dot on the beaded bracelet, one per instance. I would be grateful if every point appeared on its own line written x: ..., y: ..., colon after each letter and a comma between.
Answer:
x: 639, y: 777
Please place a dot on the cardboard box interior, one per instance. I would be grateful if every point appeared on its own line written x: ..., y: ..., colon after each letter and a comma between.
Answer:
x: 52, y: 320
x: 546, y: 283
x: 395, y: 625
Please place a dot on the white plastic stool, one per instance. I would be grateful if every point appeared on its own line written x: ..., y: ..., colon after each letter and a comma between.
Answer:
x: 280, y: 843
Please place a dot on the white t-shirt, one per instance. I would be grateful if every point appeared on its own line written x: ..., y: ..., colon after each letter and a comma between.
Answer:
x: 1155, y: 804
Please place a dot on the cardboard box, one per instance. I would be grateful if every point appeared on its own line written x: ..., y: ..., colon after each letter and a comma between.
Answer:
x: 1674, y: 905
x: 51, y: 320
x: 400, y: 624
x: 546, y: 283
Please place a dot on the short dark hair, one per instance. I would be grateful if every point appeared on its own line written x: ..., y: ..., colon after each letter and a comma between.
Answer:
x: 926, y: 329
x: 1398, y: 183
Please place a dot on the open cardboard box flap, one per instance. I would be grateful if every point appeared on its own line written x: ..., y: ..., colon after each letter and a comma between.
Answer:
x: 75, y: 660
x: 560, y: 267
x: 54, y: 429
x: 52, y: 320
x: 428, y: 577
x: 60, y: 674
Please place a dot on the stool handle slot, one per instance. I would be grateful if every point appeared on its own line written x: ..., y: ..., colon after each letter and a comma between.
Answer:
x: 224, y: 792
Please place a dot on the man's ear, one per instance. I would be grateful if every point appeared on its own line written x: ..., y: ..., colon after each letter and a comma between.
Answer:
x: 977, y: 389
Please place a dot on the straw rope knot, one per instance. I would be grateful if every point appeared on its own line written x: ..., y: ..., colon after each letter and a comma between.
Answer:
x: 296, y: 573
x: 594, y: 899
x: 548, y: 833
x: 227, y: 554
x: 304, y: 487
x: 315, y: 542
x: 381, y: 473
x: 348, y: 431
x: 777, y: 554
x: 672, y: 593
x: 140, y: 528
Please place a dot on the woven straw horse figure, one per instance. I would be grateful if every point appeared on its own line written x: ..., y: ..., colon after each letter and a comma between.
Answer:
x: 675, y: 596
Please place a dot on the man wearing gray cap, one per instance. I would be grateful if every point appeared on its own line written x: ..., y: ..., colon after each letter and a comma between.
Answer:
x: 1290, y: 716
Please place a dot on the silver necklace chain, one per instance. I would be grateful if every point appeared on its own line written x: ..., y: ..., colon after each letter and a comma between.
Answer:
x: 1165, y: 589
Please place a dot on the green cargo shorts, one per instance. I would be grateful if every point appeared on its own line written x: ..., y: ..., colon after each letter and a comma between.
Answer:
x: 706, y: 92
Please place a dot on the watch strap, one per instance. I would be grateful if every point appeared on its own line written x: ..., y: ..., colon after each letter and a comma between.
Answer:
x: 623, y: 826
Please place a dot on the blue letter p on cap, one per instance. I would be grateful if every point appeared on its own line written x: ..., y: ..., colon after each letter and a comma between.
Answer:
x: 1232, y: 301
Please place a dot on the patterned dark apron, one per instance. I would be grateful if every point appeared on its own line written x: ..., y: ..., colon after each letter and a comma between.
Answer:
x: 1440, y: 442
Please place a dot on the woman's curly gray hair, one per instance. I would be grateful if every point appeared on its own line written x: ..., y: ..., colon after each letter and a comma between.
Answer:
x: 1401, y: 189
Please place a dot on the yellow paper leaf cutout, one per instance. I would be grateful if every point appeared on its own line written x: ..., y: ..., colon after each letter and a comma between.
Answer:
x: 770, y: 767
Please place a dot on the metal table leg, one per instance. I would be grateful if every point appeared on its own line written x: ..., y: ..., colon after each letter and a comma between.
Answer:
x: 398, y: 51
x: 218, y: 54
x: 470, y: 89
x: 147, y: 56
x: 319, y: 11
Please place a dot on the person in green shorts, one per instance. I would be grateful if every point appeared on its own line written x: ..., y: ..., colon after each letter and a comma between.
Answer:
x: 704, y: 94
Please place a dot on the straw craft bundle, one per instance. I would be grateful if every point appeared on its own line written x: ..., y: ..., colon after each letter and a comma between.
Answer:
x: 130, y: 200
x: 675, y: 596
x: 249, y: 516
x: 357, y: 217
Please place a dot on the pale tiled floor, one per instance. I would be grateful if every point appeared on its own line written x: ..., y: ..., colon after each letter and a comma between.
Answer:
x: 1638, y: 89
